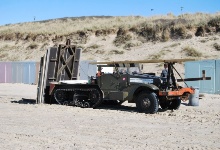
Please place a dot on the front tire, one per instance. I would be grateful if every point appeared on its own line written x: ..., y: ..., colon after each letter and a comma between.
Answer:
x: 175, y: 104
x: 170, y: 105
x: 147, y: 102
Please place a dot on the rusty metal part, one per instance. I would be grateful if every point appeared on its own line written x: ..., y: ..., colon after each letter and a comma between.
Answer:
x: 179, y: 92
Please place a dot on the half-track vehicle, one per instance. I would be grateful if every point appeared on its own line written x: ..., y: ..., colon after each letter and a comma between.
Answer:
x: 127, y: 82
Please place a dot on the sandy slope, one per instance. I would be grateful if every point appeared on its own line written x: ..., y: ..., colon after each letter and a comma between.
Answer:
x: 172, y: 49
x: 18, y: 51
x: 33, y: 126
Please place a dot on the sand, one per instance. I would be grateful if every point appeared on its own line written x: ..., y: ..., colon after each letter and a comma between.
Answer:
x: 26, y: 125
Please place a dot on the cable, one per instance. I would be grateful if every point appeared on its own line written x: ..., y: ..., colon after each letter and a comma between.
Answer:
x: 179, y: 75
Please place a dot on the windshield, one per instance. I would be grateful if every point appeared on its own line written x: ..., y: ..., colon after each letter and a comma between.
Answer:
x: 129, y: 70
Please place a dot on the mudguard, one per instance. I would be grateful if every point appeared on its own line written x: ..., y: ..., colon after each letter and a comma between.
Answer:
x: 132, y: 89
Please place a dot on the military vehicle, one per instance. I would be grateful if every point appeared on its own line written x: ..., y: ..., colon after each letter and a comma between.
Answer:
x: 125, y: 83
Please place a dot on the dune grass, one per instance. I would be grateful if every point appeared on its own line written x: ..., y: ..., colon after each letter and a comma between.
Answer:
x: 69, y: 25
x: 192, y: 52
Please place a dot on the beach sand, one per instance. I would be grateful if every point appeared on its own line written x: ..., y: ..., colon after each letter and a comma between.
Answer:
x: 26, y: 125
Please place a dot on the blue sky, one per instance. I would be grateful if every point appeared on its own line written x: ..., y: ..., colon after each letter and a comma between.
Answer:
x: 17, y: 11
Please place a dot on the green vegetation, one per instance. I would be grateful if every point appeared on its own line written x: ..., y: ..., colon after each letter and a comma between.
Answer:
x: 122, y: 37
x: 95, y: 46
x: 120, y: 33
x: 100, y: 52
x: 165, y: 35
x: 129, y: 45
x: 192, y: 52
x: 5, y: 47
x: 175, y: 45
x: 85, y: 50
x: 158, y: 55
x: 116, y: 52
x: 216, y: 46
x: 203, y: 41
x: 152, y: 27
x: 33, y: 46
x: 155, y: 56
x: 44, y: 45
x: 3, y: 55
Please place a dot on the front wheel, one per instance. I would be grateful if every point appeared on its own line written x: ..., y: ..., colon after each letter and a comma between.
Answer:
x: 147, y: 102
x: 175, y: 104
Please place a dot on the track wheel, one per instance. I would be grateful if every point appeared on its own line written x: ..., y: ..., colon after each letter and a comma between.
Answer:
x: 95, y: 98
x: 175, y: 104
x: 147, y: 102
x: 86, y: 105
x: 66, y: 103
x: 60, y: 96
